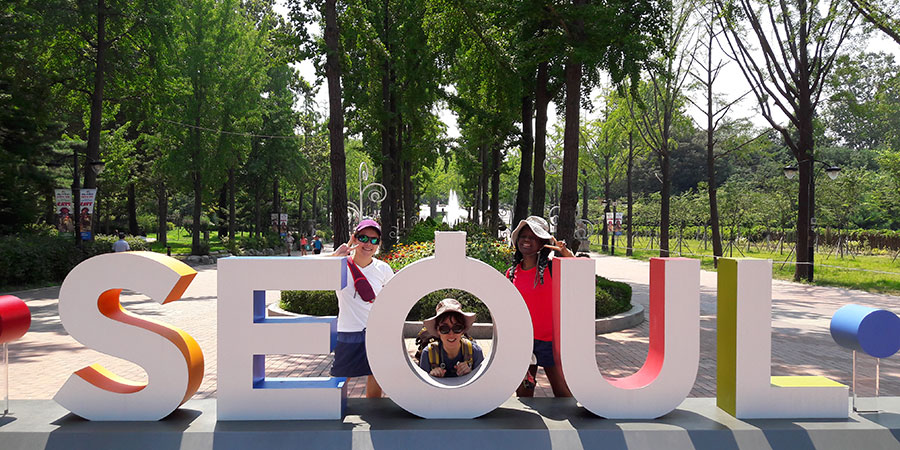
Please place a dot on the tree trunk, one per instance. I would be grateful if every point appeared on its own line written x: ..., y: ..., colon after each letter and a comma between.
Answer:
x: 569, y: 197
x: 526, y: 148
x: 495, y: 190
x: 409, y: 201
x: 336, y: 125
x: 485, y: 186
x: 387, y: 168
x: 664, y: 165
x: 606, y: 184
x: 276, y: 203
x: 629, y: 192
x: 314, y: 203
x: 231, y: 207
x: 96, y: 122
x: 132, y: 211
x: 198, y: 207
x: 300, y: 211
x: 162, y: 212
x: 542, y: 100
x: 584, y: 195
x: 222, y: 224
x: 476, y: 208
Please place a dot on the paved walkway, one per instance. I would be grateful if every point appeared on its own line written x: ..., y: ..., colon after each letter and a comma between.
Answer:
x: 801, y: 344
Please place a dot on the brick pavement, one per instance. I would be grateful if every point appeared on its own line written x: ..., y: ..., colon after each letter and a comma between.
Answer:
x: 801, y: 344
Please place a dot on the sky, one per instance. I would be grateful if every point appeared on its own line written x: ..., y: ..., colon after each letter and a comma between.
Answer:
x: 731, y: 81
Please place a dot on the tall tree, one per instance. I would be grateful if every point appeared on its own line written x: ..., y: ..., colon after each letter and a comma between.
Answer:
x: 798, y: 42
x: 589, y: 47
x: 882, y: 14
x: 661, y: 104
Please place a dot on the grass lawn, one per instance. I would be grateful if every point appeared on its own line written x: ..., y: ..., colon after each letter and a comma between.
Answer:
x: 180, y: 241
x: 864, y: 272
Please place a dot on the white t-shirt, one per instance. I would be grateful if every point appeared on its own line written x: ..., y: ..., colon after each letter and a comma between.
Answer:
x: 353, y: 312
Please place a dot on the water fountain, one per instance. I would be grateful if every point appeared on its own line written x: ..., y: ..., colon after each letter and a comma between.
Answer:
x: 452, y: 212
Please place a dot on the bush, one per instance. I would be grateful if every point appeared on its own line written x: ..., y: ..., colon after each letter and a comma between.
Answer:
x: 147, y: 223
x: 268, y: 240
x: 313, y: 303
x: 612, y: 298
x: 42, y: 256
x: 230, y: 245
x: 423, y: 231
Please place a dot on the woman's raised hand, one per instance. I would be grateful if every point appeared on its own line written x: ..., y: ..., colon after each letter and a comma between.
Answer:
x: 462, y: 368
x: 344, y: 250
x: 559, y: 246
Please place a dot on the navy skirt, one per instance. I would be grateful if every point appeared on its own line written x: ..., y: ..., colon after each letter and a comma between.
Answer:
x: 350, y: 359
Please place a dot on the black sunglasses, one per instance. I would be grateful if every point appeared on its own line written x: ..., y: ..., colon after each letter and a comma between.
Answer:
x: 445, y: 329
x: 366, y: 239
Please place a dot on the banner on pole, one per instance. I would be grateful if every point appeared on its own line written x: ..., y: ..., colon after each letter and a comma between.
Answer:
x: 280, y: 223
x: 64, y: 219
x: 87, y: 213
x: 614, y: 223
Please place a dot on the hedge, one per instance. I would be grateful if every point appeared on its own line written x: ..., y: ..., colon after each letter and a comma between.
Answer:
x: 612, y: 298
x: 44, y: 257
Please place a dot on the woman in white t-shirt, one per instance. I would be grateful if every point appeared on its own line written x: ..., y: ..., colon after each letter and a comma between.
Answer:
x: 350, y: 358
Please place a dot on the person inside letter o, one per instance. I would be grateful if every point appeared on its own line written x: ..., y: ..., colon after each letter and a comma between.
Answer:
x: 453, y: 355
x: 532, y: 274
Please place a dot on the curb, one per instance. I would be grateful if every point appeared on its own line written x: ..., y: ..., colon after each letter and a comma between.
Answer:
x: 611, y: 324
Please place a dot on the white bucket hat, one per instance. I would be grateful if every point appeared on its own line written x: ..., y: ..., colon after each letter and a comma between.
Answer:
x: 538, y: 226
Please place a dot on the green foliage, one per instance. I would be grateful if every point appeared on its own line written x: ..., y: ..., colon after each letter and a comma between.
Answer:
x: 313, y: 303
x: 42, y: 256
x: 147, y: 222
x: 612, y: 298
x: 269, y: 240
x: 423, y: 231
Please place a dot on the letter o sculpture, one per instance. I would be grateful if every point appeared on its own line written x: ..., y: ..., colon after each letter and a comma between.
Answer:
x: 495, y: 380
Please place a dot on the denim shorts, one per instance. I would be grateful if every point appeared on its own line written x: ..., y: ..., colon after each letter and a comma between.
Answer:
x: 543, y: 351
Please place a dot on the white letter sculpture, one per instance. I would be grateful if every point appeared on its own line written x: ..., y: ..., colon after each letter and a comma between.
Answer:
x: 744, y: 385
x: 90, y: 311
x: 246, y: 336
x: 670, y: 370
x: 492, y: 383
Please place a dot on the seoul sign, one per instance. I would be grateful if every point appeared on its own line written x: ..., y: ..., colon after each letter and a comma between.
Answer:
x: 90, y: 311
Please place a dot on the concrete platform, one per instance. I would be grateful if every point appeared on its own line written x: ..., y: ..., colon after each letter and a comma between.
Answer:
x: 380, y: 424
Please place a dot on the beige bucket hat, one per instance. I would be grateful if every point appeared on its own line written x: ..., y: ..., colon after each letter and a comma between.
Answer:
x: 447, y: 305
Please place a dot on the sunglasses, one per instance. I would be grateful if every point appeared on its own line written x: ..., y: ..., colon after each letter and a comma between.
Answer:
x: 366, y: 239
x: 446, y: 329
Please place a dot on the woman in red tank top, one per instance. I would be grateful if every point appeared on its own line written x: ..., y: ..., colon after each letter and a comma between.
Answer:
x: 531, y: 274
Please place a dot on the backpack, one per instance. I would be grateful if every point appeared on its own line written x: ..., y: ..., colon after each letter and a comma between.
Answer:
x: 426, y: 340
x: 434, y: 353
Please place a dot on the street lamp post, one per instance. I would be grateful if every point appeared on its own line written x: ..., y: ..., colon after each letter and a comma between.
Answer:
x: 790, y: 172
x: 377, y: 194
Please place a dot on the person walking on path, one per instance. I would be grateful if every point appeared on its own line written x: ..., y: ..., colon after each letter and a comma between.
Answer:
x: 532, y: 275
x: 355, y: 301
x: 303, y: 245
x: 317, y: 245
x: 289, y: 242
x: 121, y: 245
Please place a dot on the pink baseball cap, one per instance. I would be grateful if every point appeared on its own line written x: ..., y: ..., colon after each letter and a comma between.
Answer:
x: 368, y: 223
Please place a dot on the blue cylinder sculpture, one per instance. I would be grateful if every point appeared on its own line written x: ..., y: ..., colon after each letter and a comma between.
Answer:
x: 875, y: 332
